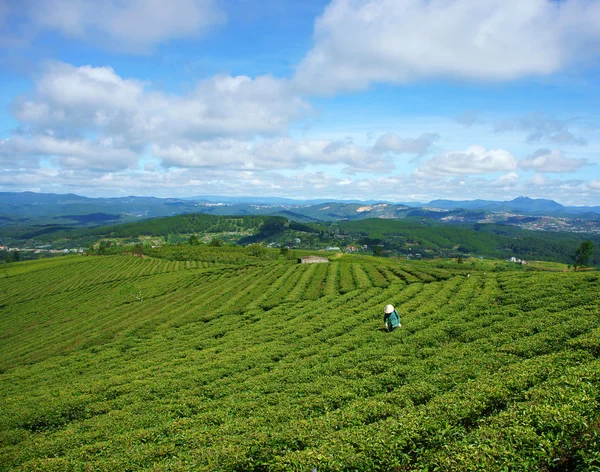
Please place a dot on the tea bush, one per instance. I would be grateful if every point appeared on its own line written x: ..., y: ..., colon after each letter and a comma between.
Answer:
x: 227, y: 363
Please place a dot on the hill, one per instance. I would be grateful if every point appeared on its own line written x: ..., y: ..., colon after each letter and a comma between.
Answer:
x: 170, y: 229
x: 29, y: 208
x: 405, y: 237
x: 126, y: 363
x: 533, y: 206
x: 430, y: 238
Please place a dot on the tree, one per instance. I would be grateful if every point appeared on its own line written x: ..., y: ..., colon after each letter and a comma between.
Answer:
x: 257, y: 250
x: 193, y: 240
x: 378, y: 250
x: 583, y: 254
x: 216, y: 242
x: 12, y: 256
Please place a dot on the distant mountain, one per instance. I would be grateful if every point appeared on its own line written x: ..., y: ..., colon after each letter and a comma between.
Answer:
x: 537, y: 206
x: 32, y: 198
x: 465, y: 204
x: 268, y: 200
x: 529, y: 205
x: 584, y: 212
x: 32, y: 207
x: 29, y: 208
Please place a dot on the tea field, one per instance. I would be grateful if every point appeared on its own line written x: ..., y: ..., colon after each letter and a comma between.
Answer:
x: 122, y: 363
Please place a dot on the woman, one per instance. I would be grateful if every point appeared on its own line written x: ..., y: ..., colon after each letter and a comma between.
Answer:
x: 391, y: 318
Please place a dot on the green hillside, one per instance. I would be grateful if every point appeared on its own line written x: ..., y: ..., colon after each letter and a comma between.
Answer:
x: 186, y: 224
x: 491, y: 240
x: 118, y: 363
x: 409, y: 237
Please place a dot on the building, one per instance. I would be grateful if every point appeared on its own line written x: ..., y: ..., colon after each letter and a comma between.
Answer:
x: 311, y: 259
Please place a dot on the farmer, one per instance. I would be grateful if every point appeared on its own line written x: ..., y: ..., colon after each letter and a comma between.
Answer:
x: 391, y: 318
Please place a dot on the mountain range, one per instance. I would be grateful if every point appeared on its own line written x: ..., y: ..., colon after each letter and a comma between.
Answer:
x: 49, y: 208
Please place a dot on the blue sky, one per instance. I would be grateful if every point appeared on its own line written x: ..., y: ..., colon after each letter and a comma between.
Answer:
x: 402, y: 100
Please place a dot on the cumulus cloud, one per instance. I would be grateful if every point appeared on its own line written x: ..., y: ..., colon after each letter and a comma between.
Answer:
x: 98, y: 154
x: 272, y: 154
x: 546, y: 160
x: 508, y: 180
x: 541, y: 127
x: 289, y: 153
x: 123, y: 25
x: 91, y: 116
x: 391, y: 142
x: 475, y: 160
x: 565, y: 191
x: 226, y: 122
x: 404, y: 40
x: 539, y: 180
x: 308, y: 184
x: 68, y: 99
x: 68, y: 104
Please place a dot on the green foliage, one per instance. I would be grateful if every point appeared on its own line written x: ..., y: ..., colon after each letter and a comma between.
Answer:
x: 217, y: 359
x: 190, y: 223
x: 400, y: 237
x: 295, y: 226
x: 583, y: 254
x: 12, y: 256
x: 216, y: 242
x: 428, y: 237
x: 256, y: 250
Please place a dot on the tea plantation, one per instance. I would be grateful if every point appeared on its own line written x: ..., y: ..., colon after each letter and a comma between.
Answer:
x: 121, y: 363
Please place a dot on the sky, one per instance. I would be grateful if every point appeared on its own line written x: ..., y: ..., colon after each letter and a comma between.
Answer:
x: 395, y: 100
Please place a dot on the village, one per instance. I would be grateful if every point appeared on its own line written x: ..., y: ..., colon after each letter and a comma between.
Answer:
x: 40, y: 249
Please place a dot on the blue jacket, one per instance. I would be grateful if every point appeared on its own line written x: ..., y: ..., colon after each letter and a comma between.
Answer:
x: 392, y: 321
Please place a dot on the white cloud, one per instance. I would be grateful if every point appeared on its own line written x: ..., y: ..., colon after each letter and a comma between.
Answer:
x: 541, y: 127
x: 362, y: 41
x: 15, y: 153
x: 99, y: 154
x: 289, y: 153
x: 272, y: 154
x: 71, y: 103
x: 546, y: 160
x: 123, y: 25
x: 594, y: 185
x: 226, y: 122
x: 92, y: 117
x: 508, y: 180
x: 193, y: 181
x: 390, y: 142
x: 97, y: 98
x: 475, y: 160
x: 539, y: 180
